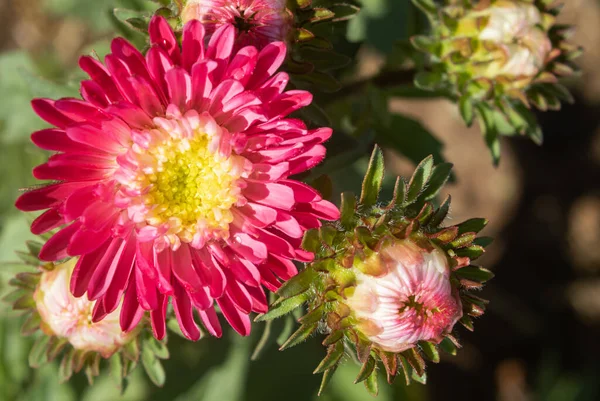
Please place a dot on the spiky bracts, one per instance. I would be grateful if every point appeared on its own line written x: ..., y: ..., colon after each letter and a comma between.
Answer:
x: 64, y: 331
x: 349, y: 253
x: 497, y: 59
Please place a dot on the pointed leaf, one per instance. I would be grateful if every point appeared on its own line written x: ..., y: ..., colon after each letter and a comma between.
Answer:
x: 153, y: 367
x: 419, y: 180
x: 38, y: 355
x: 371, y: 383
x: 430, y: 351
x: 373, y: 179
x: 326, y: 379
x: 298, y: 284
x: 299, y: 336
x: 334, y: 354
x: 281, y: 308
x: 472, y: 225
x: 366, y: 370
x: 439, y: 177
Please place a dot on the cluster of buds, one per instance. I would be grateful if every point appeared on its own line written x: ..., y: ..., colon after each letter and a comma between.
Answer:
x: 498, y: 57
x: 300, y: 24
x: 65, y: 329
x: 389, y: 281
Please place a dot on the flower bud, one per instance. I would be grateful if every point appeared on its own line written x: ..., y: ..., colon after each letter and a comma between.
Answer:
x: 497, y: 59
x: 65, y: 316
x: 511, y: 42
x: 388, y: 281
x: 68, y: 330
x: 411, y: 301
x: 258, y: 22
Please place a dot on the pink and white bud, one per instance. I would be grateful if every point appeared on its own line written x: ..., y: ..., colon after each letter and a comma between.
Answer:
x: 514, y: 27
x: 258, y: 22
x: 68, y: 317
x: 411, y: 300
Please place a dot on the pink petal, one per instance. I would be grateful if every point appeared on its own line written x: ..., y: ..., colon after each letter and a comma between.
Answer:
x: 84, y: 269
x: 270, y: 194
x: 162, y: 35
x: 47, y: 221
x: 94, y: 137
x: 57, y: 140
x: 105, y: 270
x: 183, y: 270
x: 270, y: 59
x: 221, y: 43
x: 157, y: 317
x: 56, y: 247
x: 210, y: 321
x: 239, y: 296
x: 183, y: 312
x: 46, y: 197
x: 46, y: 110
x: 146, y: 289
x: 236, y: 318
x: 101, y: 78
x: 259, y: 299
x: 179, y: 84
x: 192, y: 43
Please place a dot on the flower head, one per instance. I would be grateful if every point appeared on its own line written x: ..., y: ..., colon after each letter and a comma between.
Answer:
x: 497, y: 59
x: 172, y: 179
x: 411, y: 301
x: 68, y: 330
x: 388, y: 281
x: 66, y: 317
x: 258, y: 22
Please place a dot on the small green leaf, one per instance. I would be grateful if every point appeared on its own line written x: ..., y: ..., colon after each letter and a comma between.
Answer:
x: 483, y: 241
x: 439, y: 177
x: 298, y: 284
x: 440, y: 215
x: 448, y: 346
x: 65, y: 370
x: 31, y: 324
x: 415, y: 360
x: 472, y: 225
x: 419, y: 180
x: 153, y: 367
x: 159, y: 348
x: 348, y: 210
x: 419, y: 378
x: 116, y: 370
x: 428, y: 80
x: 334, y: 354
x: 38, y: 355
x: 326, y: 379
x: 475, y: 273
x: 464, y: 240
x: 281, y: 308
x: 467, y: 110
x: 472, y: 252
x: 299, y: 336
x: 430, y: 351
x: 371, y: 383
x: 426, y: 44
x: 311, y: 241
x: 373, y: 179
x: 366, y: 370
x: 313, y: 316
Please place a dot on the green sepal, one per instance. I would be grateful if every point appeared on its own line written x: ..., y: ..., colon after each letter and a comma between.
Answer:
x: 38, y: 355
x: 371, y: 383
x: 373, y: 179
x: 299, y: 336
x: 430, y: 350
x: 153, y: 367
x: 366, y: 370
x: 334, y: 354
x: 282, y: 307
x: 327, y: 375
x: 297, y: 284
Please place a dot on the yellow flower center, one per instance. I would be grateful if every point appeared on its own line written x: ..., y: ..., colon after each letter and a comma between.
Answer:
x: 191, y: 185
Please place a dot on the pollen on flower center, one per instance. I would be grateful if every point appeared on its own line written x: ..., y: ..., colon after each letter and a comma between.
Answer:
x: 185, y: 179
x: 190, y: 184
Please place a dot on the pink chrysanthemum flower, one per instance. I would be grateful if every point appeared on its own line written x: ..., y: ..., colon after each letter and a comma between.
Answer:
x: 411, y: 300
x: 172, y: 179
x: 258, y: 22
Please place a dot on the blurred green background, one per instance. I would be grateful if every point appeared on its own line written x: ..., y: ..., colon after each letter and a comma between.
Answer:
x: 539, y: 339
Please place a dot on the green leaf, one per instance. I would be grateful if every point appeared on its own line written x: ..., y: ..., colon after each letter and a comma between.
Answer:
x: 448, y: 346
x: 440, y: 175
x: 326, y: 379
x: 371, y: 383
x: 426, y: 44
x: 419, y: 179
x: 483, y: 241
x: 428, y: 80
x: 153, y: 367
x: 430, y: 351
x: 348, y: 210
x: 373, y: 179
x: 311, y: 241
x: 38, y: 355
x: 489, y: 130
x: 334, y: 354
x: 299, y: 336
x: 298, y: 284
x: 475, y: 273
x: 281, y: 308
x: 366, y: 370
x: 467, y: 110
x: 440, y: 215
x: 472, y: 225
